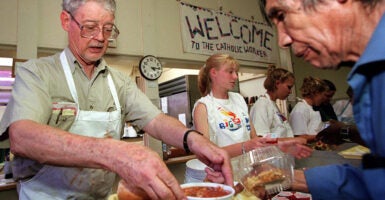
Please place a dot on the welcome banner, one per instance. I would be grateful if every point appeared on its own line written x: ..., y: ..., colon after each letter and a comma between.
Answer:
x: 205, y: 31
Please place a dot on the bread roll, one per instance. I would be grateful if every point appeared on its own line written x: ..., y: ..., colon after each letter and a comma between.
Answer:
x: 130, y: 192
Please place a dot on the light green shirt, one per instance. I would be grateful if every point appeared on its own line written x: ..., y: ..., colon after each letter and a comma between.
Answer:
x: 40, y: 84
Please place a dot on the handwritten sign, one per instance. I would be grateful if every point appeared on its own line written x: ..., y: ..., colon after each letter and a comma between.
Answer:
x: 205, y: 31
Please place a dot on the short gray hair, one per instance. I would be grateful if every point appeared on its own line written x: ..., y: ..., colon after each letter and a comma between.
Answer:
x: 313, y: 3
x: 366, y: 3
x: 72, y: 5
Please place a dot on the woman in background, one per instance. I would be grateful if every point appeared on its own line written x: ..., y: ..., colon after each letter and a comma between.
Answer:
x: 265, y: 115
x: 304, y: 121
x: 326, y: 108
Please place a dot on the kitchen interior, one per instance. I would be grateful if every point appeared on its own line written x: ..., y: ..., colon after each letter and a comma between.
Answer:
x: 31, y: 29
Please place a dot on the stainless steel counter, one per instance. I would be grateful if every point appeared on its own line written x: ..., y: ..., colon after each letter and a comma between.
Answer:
x: 319, y: 158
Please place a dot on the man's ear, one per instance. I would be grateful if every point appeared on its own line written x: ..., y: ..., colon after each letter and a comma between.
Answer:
x: 65, y: 19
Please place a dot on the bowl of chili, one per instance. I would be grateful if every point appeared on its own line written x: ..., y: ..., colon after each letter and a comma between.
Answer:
x: 207, y: 191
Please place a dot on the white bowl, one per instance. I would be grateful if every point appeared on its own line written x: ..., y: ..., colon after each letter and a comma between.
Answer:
x: 208, y: 184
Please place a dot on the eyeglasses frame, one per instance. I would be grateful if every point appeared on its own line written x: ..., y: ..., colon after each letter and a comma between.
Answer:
x: 81, y: 27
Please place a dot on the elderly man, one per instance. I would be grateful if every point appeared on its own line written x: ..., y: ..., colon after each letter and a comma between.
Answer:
x: 66, y: 113
x: 328, y: 34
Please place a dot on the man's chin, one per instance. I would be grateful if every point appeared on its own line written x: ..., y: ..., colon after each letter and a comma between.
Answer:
x: 322, y: 65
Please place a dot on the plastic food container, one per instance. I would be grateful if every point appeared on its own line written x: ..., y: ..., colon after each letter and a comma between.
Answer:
x: 209, y: 187
x: 266, y: 171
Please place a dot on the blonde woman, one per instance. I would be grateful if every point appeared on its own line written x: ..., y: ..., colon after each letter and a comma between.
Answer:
x: 304, y: 121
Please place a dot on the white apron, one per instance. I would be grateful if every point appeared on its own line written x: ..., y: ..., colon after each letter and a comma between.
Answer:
x: 283, y: 128
x: 315, y: 123
x: 53, y: 182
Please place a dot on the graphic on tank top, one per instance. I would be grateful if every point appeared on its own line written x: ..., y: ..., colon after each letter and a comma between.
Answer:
x: 231, y: 121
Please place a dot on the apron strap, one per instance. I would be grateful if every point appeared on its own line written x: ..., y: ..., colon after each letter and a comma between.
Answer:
x: 114, y: 94
x: 69, y: 78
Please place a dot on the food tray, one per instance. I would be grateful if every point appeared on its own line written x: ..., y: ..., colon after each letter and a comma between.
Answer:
x: 266, y: 170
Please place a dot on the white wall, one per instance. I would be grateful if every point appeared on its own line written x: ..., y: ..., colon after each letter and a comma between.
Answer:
x: 146, y: 26
x: 252, y: 87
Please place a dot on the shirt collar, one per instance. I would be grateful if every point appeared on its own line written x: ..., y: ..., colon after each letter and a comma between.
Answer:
x: 375, y: 50
x: 102, y: 64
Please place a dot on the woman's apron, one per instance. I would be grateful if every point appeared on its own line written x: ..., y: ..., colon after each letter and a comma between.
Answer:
x: 282, y: 127
x: 315, y: 123
x: 53, y: 182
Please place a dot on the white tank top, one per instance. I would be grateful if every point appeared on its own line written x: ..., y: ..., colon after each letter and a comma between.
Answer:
x: 228, y: 119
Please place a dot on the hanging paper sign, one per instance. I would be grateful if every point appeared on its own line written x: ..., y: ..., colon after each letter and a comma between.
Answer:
x: 205, y: 31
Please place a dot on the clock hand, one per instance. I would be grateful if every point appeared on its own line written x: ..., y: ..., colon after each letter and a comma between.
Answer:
x: 154, y: 68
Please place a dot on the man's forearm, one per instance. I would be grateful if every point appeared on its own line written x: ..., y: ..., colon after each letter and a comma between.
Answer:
x: 53, y: 146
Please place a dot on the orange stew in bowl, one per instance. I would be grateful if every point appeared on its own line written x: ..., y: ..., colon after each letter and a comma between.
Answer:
x: 205, y: 191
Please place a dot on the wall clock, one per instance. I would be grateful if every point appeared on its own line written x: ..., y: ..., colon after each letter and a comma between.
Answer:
x: 150, y: 67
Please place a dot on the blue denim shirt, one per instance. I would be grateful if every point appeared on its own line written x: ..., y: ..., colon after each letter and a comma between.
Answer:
x: 367, y: 79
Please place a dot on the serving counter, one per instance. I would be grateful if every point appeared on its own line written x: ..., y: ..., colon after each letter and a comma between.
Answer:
x: 319, y: 158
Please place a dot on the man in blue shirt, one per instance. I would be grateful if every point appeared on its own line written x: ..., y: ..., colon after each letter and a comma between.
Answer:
x: 329, y: 34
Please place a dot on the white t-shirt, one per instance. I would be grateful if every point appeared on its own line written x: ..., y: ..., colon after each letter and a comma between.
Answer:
x: 304, y: 120
x: 228, y: 119
x: 268, y: 120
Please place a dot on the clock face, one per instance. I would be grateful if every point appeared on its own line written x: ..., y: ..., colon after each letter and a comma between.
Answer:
x: 150, y: 67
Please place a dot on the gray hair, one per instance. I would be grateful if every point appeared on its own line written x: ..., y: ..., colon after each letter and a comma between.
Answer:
x: 71, y: 6
x: 312, y: 4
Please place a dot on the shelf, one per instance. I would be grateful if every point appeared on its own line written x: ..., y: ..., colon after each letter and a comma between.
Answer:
x: 181, y: 159
x: 135, y: 140
x: 6, y: 184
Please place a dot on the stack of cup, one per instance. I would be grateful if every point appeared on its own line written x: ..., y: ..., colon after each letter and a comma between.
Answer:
x: 129, y: 131
x: 195, y: 171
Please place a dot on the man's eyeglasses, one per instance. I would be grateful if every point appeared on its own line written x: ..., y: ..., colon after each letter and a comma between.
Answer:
x: 91, y: 30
